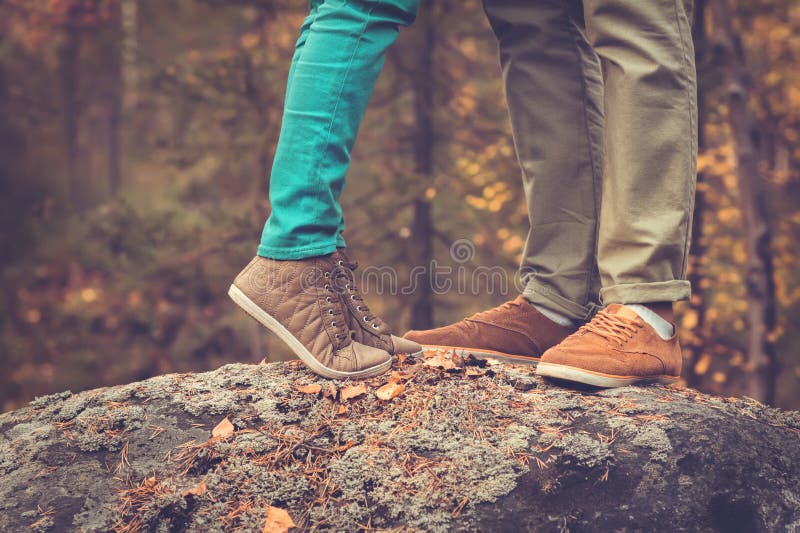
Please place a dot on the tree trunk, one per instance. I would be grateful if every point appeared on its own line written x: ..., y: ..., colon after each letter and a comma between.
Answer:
x: 424, y: 147
x: 468, y: 449
x: 121, y: 87
x: 129, y: 16
x: 69, y: 73
x: 759, y: 280
x: 697, y: 343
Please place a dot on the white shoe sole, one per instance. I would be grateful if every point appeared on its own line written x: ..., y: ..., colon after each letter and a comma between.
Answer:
x: 484, y: 354
x: 597, y: 379
x: 266, y: 320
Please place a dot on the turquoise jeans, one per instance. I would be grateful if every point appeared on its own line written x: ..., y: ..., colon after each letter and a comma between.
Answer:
x: 339, y: 55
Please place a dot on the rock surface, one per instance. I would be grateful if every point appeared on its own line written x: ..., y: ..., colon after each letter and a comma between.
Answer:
x: 467, y: 448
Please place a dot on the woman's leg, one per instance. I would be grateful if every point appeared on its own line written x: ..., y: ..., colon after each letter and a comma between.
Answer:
x: 331, y: 81
x: 301, y: 41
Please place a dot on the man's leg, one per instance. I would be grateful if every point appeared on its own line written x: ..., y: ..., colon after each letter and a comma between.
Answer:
x: 648, y: 195
x: 651, y: 148
x: 330, y: 86
x: 554, y: 93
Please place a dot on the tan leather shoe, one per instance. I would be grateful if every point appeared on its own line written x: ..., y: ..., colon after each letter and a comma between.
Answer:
x: 614, y: 349
x: 514, y: 332
x: 365, y: 327
x: 296, y: 301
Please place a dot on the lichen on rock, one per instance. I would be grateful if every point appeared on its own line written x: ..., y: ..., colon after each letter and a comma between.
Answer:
x: 470, y: 448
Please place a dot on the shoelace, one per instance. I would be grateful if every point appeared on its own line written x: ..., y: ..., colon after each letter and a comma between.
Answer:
x: 351, y: 291
x: 334, y: 312
x: 612, y: 327
x: 493, y: 311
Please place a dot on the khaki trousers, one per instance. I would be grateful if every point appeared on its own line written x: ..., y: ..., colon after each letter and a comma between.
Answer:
x: 602, y: 98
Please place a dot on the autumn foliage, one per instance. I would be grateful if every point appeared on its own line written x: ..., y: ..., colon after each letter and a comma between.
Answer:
x: 136, y: 138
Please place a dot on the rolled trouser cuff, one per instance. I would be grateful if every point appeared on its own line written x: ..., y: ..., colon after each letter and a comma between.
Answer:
x: 539, y: 294
x: 640, y: 293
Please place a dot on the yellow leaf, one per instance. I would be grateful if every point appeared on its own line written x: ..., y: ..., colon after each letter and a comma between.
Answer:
x: 89, y: 295
x: 389, y: 391
x: 249, y: 40
x: 223, y: 429
x: 278, y: 521
x: 690, y: 319
x: 728, y: 214
x: 702, y: 365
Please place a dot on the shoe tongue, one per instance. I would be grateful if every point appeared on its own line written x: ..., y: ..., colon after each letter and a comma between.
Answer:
x: 622, y: 311
x: 520, y: 300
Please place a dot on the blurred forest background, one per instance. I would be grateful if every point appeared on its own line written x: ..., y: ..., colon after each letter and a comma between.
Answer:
x: 136, y: 138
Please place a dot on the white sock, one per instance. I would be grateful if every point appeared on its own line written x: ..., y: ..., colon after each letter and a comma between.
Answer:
x: 662, y: 327
x: 555, y: 316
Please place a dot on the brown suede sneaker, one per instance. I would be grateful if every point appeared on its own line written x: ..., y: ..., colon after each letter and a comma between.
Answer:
x: 365, y: 327
x: 296, y: 301
x: 514, y: 332
x: 616, y: 348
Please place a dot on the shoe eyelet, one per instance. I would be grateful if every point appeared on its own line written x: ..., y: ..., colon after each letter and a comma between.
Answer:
x: 327, y: 287
x: 358, y: 308
x: 327, y: 275
x: 365, y: 319
x: 333, y: 324
x: 353, y: 297
x: 328, y: 299
x: 340, y: 262
x: 330, y: 311
x: 347, y: 286
x: 375, y: 326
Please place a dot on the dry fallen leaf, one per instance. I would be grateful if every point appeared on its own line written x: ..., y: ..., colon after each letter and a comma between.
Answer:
x: 223, y: 429
x: 278, y: 521
x: 199, y: 490
x: 399, y: 376
x: 389, y: 391
x: 352, y: 391
x: 447, y: 360
x: 314, y: 388
x: 341, y: 410
x: 330, y: 392
x: 474, y: 372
